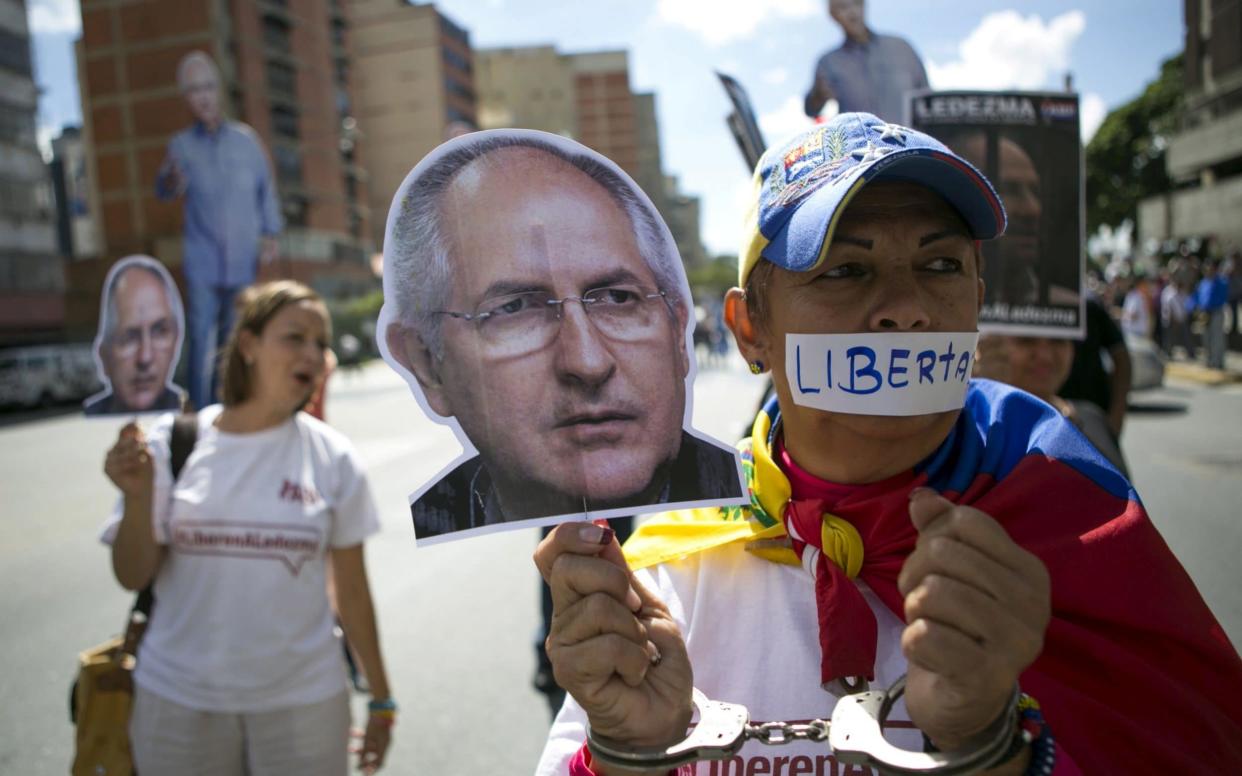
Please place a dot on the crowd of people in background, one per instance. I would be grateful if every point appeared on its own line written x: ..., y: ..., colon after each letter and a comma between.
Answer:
x: 1183, y: 304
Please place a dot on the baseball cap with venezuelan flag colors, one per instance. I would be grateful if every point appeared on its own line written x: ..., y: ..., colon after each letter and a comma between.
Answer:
x: 803, y: 186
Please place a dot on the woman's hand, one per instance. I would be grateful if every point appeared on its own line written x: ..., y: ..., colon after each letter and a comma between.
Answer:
x: 375, y: 741
x: 128, y: 464
x: 135, y: 555
x: 613, y: 645
x: 977, y: 606
x: 357, y: 615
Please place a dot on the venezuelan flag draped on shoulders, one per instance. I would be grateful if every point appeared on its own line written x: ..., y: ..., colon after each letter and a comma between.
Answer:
x: 1136, y: 675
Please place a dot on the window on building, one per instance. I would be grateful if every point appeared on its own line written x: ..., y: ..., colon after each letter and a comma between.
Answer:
x: 285, y: 122
x: 15, y: 52
x: 288, y: 164
x: 295, y: 208
x: 346, y: 253
x: 276, y: 33
x: 16, y: 124
x: 455, y: 60
x: 455, y: 87
x: 450, y: 30
x: 17, y: 200
x: 452, y: 114
x: 282, y: 80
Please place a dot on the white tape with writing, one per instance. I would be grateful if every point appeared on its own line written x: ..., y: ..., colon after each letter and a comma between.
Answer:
x: 889, y: 373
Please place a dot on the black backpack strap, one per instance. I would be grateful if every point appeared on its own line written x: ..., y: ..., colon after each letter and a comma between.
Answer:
x: 184, y: 435
x: 181, y: 444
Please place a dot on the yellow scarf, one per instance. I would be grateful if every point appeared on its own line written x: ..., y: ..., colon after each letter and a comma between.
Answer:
x: 684, y: 532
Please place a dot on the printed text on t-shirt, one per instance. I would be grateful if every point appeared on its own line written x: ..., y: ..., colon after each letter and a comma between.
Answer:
x: 301, y: 494
x: 291, y: 545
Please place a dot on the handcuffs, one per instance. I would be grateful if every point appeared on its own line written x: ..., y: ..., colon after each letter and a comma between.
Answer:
x: 855, y: 735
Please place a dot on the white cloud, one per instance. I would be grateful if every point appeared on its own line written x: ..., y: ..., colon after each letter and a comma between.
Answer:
x: 1092, y: 111
x: 1009, y: 51
x: 724, y: 21
x: 784, y: 122
x: 776, y: 76
x: 54, y: 16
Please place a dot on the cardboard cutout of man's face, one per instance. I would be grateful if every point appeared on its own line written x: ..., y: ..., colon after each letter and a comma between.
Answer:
x: 556, y: 345
x: 138, y: 341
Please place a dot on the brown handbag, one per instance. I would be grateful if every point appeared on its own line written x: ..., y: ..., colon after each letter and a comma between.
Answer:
x: 102, y: 695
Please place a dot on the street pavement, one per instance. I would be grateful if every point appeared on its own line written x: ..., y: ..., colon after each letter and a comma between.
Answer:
x: 458, y: 621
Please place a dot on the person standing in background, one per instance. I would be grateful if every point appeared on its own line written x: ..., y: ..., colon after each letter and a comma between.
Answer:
x: 1233, y: 274
x: 868, y: 72
x: 1173, y: 313
x: 240, y: 672
x: 1109, y: 389
x: 1136, y: 310
x: 232, y: 217
x: 1039, y: 366
x: 1211, y: 297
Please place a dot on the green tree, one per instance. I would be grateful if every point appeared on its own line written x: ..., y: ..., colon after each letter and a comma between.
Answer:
x: 1125, y: 158
x: 712, y: 279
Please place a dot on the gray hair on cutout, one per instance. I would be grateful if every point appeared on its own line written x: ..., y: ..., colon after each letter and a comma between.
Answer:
x: 421, y: 265
x: 109, y: 314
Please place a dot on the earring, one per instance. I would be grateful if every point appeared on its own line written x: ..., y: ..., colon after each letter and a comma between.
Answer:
x: 756, y: 367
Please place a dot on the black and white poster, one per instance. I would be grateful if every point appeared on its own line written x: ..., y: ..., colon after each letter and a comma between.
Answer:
x: 1027, y: 144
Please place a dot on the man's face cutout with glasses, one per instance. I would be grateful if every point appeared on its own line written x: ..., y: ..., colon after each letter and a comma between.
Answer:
x: 556, y: 344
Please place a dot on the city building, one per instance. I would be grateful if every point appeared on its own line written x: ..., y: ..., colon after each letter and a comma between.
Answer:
x: 413, y: 78
x: 531, y: 87
x: 76, y: 225
x: 285, y: 68
x: 1204, y: 159
x: 587, y: 97
x: 32, y: 278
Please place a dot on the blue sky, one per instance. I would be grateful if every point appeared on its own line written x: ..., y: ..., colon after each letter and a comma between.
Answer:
x: 1113, y: 48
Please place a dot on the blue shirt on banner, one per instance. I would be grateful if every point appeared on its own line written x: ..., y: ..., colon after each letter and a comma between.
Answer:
x: 873, y: 77
x: 230, y: 202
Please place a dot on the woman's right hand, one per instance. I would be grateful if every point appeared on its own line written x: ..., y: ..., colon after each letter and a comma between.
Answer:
x: 613, y: 645
x: 128, y: 464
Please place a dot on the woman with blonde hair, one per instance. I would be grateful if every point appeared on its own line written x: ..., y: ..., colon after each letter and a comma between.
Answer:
x: 239, y: 671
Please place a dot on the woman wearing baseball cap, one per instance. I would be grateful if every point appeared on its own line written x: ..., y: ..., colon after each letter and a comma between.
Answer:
x: 904, y: 519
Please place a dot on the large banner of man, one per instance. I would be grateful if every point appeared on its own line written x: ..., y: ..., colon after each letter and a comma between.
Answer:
x: 535, y: 303
x: 1028, y: 144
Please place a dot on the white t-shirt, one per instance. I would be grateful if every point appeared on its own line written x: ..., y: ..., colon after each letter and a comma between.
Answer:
x: 1172, y: 304
x: 242, y: 621
x: 751, y: 631
x: 1135, y: 316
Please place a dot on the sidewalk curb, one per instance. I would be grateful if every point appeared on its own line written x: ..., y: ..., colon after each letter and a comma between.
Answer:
x: 1197, y: 373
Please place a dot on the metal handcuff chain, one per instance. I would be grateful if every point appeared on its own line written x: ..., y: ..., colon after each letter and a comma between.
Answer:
x: 855, y: 734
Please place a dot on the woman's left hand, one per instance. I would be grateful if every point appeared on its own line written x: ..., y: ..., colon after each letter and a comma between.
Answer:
x: 977, y: 606
x: 375, y: 741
